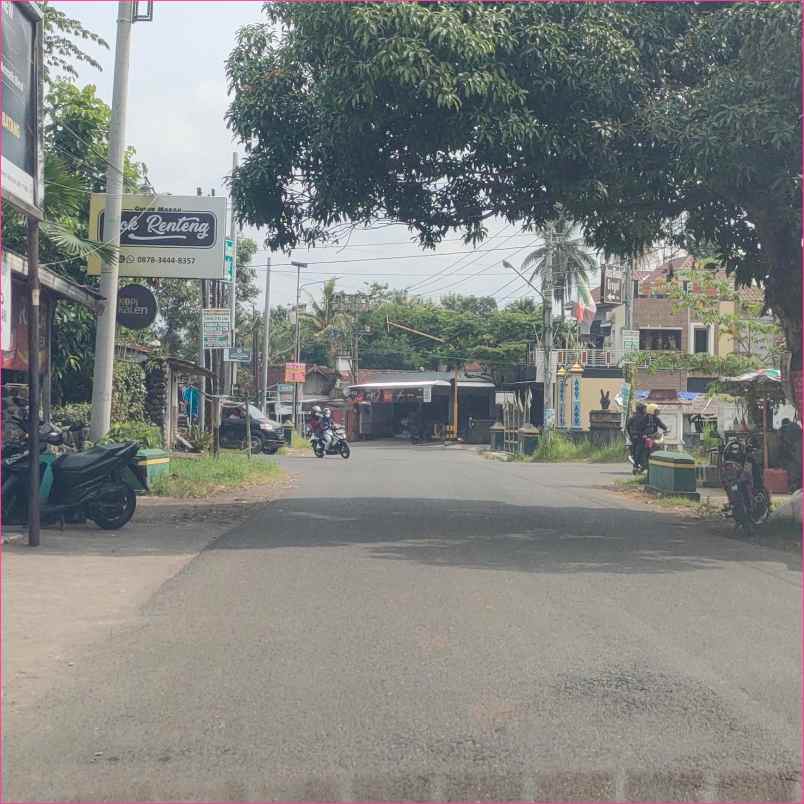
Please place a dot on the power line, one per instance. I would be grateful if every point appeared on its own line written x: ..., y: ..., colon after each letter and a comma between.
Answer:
x: 450, y: 267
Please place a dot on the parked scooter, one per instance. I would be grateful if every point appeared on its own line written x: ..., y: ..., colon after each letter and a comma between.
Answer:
x: 73, y: 486
x: 650, y: 444
x: 337, y: 445
x: 742, y: 478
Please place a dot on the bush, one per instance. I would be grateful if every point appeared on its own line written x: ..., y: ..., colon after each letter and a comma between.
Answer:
x: 560, y: 449
x: 77, y: 414
x: 128, y: 392
x: 200, y: 440
x: 148, y: 436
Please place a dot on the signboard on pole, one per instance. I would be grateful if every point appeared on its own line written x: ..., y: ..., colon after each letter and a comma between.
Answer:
x: 630, y: 340
x: 216, y: 332
x: 22, y: 156
x: 237, y: 355
x: 612, y: 284
x: 170, y: 236
x: 136, y: 307
x: 295, y: 373
x: 228, y: 258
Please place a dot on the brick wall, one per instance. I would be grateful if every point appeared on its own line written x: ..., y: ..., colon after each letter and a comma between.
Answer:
x: 659, y: 313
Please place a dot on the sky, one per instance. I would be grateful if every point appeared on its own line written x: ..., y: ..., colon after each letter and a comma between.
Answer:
x: 176, y: 107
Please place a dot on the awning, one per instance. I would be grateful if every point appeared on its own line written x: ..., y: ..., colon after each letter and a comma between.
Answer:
x: 420, y: 384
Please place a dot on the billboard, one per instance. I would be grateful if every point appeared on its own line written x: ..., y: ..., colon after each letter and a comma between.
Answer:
x: 21, y: 163
x: 169, y: 236
x: 295, y: 373
x: 216, y: 328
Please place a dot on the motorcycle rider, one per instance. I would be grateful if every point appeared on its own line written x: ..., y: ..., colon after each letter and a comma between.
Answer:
x: 315, y: 424
x: 651, y: 427
x: 327, y: 428
x: 635, y: 427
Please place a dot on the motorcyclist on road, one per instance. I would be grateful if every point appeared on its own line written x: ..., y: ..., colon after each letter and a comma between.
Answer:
x: 315, y: 424
x: 635, y: 428
x: 327, y: 428
x: 652, y: 421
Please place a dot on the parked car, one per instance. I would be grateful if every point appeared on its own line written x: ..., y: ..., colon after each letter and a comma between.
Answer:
x: 266, y: 435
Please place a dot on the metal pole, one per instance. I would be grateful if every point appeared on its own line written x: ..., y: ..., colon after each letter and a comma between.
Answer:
x: 547, y: 302
x: 232, y: 368
x: 266, y: 337
x: 629, y: 292
x: 298, y: 346
x: 33, y: 381
x: 104, y: 339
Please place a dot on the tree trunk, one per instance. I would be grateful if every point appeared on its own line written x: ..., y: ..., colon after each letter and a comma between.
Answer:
x: 783, y: 289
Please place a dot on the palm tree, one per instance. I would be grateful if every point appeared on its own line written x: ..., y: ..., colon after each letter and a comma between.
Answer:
x: 324, y: 319
x: 571, y: 263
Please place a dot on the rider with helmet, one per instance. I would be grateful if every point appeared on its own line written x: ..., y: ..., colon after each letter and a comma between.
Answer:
x: 652, y: 421
x: 315, y: 425
x: 326, y: 427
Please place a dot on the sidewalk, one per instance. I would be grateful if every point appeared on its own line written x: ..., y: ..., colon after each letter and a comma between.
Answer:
x: 82, y: 583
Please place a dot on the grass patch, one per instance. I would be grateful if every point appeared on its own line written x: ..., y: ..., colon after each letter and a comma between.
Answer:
x: 560, y: 449
x: 298, y: 442
x: 200, y: 477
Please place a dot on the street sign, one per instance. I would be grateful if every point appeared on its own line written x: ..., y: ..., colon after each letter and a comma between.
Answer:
x: 295, y: 373
x: 136, y: 307
x: 612, y: 284
x: 172, y: 236
x: 216, y: 326
x: 228, y: 259
x: 284, y: 388
x: 630, y: 340
x: 237, y: 355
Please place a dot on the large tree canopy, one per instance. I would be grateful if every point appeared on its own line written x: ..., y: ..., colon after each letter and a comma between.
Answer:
x: 444, y: 115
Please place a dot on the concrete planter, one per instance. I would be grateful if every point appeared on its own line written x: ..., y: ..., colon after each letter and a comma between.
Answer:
x: 497, y: 437
x: 672, y: 474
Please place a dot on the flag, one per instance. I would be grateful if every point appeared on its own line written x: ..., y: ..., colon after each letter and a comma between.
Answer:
x: 585, y: 307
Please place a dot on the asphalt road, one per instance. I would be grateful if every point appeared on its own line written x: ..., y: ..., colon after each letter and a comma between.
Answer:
x: 421, y: 624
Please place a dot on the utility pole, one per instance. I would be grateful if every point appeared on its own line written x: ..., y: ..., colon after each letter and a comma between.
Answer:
x: 299, y: 266
x: 547, y: 306
x: 232, y: 368
x: 105, y: 335
x: 33, y: 382
x: 266, y: 338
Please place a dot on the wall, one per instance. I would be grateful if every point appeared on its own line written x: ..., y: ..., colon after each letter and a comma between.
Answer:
x: 590, y: 397
x: 658, y: 314
x: 662, y: 380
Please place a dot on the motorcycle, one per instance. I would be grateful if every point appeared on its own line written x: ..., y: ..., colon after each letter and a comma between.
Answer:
x: 337, y: 445
x: 650, y: 444
x: 742, y: 479
x: 72, y: 487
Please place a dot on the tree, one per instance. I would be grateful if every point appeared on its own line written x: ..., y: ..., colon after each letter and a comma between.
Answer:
x: 571, y: 263
x: 61, y: 52
x: 630, y: 115
x: 477, y: 305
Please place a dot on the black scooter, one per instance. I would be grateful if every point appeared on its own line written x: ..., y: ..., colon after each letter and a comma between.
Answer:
x: 72, y: 487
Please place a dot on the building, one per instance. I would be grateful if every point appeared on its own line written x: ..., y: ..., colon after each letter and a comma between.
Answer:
x: 55, y: 290
x: 662, y: 327
x: 392, y: 403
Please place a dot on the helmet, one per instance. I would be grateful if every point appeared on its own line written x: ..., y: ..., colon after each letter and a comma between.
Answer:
x: 652, y: 409
x: 640, y: 408
x: 316, y: 409
x: 327, y: 412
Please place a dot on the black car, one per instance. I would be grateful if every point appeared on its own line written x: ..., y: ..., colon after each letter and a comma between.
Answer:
x: 266, y: 435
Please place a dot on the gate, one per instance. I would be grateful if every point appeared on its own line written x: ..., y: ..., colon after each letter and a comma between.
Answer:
x: 515, y: 414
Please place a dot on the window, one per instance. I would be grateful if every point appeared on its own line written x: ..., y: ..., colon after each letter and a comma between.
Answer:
x: 700, y: 341
x: 660, y: 340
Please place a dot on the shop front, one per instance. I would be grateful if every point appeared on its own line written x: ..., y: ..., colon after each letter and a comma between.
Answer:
x: 15, y: 329
x: 422, y: 410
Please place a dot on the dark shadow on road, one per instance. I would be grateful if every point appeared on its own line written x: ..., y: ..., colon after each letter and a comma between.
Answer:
x: 497, y: 536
